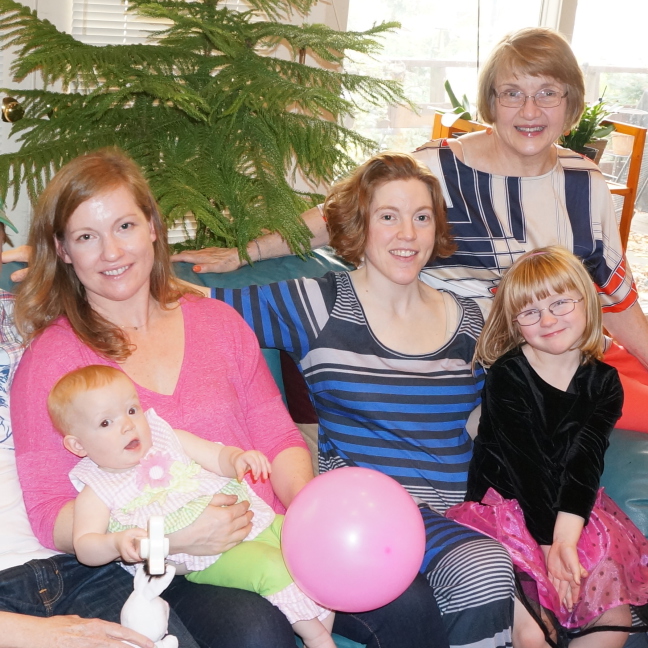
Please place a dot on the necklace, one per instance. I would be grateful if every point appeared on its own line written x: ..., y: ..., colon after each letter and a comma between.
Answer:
x: 139, y: 326
x: 123, y: 326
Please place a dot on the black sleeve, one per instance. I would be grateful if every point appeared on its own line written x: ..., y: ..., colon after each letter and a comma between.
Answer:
x: 583, y: 465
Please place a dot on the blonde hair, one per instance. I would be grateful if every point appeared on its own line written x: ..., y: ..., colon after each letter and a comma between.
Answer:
x: 74, y: 383
x: 346, y: 208
x: 536, y: 275
x: 534, y: 51
x: 52, y: 288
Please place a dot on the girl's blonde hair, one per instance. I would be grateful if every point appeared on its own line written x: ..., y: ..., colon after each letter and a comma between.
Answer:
x: 52, y: 288
x: 536, y: 275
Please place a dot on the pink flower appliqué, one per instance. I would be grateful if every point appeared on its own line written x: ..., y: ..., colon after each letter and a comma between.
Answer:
x: 153, y: 471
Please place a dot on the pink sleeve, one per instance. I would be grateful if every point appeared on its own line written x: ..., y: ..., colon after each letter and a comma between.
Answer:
x: 43, y: 463
x: 270, y: 426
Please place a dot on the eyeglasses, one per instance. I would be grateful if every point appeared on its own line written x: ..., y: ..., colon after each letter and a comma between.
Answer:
x: 558, y: 308
x: 543, y: 98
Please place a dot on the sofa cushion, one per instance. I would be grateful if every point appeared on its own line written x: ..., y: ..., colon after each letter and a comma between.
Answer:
x: 625, y: 477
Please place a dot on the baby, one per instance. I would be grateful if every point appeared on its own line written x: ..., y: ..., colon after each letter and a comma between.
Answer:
x: 134, y: 465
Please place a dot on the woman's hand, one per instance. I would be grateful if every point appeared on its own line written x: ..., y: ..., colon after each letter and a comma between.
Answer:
x: 22, y: 254
x: 221, y: 526
x: 67, y: 632
x: 211, y: 259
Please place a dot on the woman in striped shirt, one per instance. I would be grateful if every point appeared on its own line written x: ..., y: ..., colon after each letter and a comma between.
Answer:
x: 388, y: 362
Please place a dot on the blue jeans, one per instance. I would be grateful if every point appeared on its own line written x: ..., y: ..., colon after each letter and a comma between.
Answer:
x: 219, y: 617
x: 61, y: 585
x: 412, y: 620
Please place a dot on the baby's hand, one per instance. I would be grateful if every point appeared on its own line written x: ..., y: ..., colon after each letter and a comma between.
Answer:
x: 254, y: 462
x: 127, y: 545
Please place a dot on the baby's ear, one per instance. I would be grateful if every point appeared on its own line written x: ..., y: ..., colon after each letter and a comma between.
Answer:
x: 73, y: 444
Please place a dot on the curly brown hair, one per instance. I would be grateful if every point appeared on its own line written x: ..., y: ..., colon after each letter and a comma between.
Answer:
x: 346, y: 208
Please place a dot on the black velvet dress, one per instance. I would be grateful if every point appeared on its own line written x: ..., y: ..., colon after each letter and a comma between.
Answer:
x: 540, y: 445
x: 541, y: 450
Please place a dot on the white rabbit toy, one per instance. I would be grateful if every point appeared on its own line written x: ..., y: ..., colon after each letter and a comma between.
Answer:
x: 145, y: 612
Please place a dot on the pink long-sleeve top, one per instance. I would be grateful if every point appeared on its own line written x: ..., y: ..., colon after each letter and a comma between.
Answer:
x: 225, y: 393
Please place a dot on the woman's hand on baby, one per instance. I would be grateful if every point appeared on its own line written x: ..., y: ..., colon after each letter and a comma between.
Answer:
x: 565, y: 572
x: 221, y: 526
x: 211, y: 259
x: 127, y: 544
x: 254, y: 462
x: 74, y: 632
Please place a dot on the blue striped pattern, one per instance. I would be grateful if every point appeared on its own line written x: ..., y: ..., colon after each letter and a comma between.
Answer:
x: 402, y: 415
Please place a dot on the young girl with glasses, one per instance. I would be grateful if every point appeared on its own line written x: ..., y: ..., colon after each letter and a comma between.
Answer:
x: 549, y: 405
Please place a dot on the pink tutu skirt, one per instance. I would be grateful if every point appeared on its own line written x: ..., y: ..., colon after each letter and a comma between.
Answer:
x: 611, y: 548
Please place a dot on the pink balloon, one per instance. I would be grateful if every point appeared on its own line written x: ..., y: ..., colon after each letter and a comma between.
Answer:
x: 353, y: 539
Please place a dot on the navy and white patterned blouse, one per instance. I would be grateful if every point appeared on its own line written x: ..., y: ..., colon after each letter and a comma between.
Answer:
x: 495, y: 219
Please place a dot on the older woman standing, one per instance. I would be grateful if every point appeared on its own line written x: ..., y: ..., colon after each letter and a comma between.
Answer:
x: 100, y: 291
x: 510, y: 189
x: 388, y: 363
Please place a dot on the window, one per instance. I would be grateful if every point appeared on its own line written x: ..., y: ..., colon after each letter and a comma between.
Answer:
x: 108, y: 22
x: 615, y: 63
x: 437, y: 41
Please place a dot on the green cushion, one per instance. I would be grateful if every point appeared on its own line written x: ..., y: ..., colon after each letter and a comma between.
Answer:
x: 625, y: 478
x: 268, y: 271
x: 7, y: 269
x: 340, y: 642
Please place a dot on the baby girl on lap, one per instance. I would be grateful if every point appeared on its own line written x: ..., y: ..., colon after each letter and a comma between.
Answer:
x: 135, y: 465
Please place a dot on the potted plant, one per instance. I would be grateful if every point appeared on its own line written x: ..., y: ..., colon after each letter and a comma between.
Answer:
x: 220, y: 127
x: 460, y: 109
x: 587, y: 137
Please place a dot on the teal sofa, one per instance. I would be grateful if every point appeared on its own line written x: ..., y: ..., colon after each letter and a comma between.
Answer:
x: 626, y: 463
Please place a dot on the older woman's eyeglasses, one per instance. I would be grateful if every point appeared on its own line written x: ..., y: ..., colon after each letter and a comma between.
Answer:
x: 558, y: 308
x: 544, y: 98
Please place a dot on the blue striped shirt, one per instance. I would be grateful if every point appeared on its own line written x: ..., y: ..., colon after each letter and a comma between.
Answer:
x: 401, y: 414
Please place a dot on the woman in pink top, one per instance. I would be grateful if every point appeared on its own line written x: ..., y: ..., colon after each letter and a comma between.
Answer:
x: 101, y: 291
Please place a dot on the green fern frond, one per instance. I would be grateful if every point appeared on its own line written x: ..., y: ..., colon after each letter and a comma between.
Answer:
x: 220, y: 129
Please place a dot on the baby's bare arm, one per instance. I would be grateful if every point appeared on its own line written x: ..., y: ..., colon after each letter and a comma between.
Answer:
x: 93, y: 544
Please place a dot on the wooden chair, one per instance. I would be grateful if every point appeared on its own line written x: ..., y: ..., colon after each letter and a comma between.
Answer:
x: 627, y: 190
x: 439, y: 131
